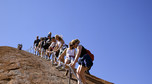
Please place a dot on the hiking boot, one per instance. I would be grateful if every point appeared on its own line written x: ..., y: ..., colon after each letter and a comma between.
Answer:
x: 48, y: 59
x: 62, y: 69
x: 55, y: 64
x: 58, y: 67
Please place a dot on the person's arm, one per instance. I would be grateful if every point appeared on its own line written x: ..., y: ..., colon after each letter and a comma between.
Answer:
x: 39, y: 44
x: 74, y: 52
x: 60, y: 46
x: 63, y: 54
x: 55, y: 48
x: 34, y: 44
x: 77, y: 55
x: 49, y: 50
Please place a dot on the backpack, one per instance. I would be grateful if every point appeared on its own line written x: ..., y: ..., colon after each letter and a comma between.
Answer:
x: 90, y: 54
x: 64, y: 46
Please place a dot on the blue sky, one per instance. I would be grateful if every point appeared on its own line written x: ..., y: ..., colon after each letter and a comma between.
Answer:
x: 118, y: 32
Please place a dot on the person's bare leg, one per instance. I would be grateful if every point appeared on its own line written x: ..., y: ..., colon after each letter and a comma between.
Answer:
x: 48, y: 54
x: 62, y: 59
x: 82, y: 72
x: 78, y: 73
x: 66, y: 67
x: 39, y: 52
x: 66, y: 62
x: 34, y: 50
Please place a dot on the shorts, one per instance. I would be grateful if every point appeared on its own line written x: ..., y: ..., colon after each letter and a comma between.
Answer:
x: 43, y: 50
x: 85, y: 61
x: 61, y: 51
x: 57, y: 53
x: 71, y: 59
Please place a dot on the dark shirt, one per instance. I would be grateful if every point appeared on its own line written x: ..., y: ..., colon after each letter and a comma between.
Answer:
x: 83, y: 51
x: 36, y: 42
x: 48, y: 41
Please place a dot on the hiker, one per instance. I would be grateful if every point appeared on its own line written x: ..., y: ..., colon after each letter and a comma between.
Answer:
x: 19, y: 46
x: 50, y: 51
x: 46, y: 45
x: 85, y: 62
x: 36, y: 42
x: 41, y: 47
x: 50, y: 34
x: 60, y: 46
x: 70, y: 55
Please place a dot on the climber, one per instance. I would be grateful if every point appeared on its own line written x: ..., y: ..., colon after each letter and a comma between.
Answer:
x: 49, y: 51
x: 50, y: 34
x: 35, y: 46
x: 85, y: 62
x: 46, y: 45
x: 60, y: 46
x: 19, y: 46
x: 70, y: 55
x: 41, y: 47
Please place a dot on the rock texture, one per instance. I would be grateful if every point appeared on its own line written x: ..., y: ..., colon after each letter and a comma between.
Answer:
x: 21, y: 67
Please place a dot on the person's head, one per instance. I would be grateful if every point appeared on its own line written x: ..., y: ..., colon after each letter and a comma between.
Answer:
x: 42, y: 38
x: 49, y: 34
x: 49, y: 37
x: 71, y: 46
x: 57, y: 37
x: 75, y: 43
x: 53, y: 39
x: 37, y: 37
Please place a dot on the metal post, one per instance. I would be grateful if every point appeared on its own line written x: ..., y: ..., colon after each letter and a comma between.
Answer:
x: 53, y: 57
x: 73, y: 72
x: 69, y: 73
x: 33, y: 50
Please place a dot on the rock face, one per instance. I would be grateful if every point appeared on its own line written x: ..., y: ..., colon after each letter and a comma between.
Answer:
x: 21, y: 67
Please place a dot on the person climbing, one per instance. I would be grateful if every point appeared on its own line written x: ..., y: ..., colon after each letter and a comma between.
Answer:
x: 19, y: 46
x: 35, y: 45
x: 85, y: 62
x: 60, y: 47
x: 50, y: 50
x: 46, y: 45
x: 70, y: 55
x: 41, y: 46
x: 50, y: 34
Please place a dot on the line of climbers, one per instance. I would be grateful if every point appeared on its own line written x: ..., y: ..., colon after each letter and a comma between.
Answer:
x: 56, y: 47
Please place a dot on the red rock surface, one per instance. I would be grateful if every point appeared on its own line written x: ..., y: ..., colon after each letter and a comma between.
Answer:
x: 21, y: 67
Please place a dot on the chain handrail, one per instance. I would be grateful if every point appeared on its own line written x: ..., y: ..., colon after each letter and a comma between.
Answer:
x: 72, y: 71
x: 32, y: 48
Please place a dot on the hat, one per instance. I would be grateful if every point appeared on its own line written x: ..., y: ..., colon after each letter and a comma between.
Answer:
x: 49, y: 35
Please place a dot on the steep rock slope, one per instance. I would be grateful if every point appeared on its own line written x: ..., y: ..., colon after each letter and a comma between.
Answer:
x: 21, y: 67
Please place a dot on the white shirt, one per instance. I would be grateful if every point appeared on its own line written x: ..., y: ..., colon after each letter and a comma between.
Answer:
x: 70, y: 53
x: 53, y: 44
x: 59, y: 43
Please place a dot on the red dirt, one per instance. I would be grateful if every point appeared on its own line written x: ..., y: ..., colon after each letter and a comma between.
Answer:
x: 21, y: 67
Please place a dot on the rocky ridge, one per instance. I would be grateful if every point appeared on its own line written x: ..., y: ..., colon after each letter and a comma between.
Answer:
x: 21, y: 67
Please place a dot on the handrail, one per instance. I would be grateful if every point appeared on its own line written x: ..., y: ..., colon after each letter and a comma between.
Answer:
x: 30, y: 50
x: 72, y: 71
